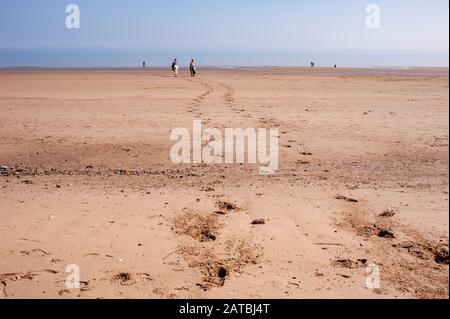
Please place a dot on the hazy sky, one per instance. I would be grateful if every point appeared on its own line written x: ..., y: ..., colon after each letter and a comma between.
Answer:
x: 226, y: 24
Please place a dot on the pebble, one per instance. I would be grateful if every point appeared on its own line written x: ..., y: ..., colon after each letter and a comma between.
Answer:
x: 259, y: 221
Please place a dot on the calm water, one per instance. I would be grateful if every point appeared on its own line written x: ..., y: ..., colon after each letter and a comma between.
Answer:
x: 159, y: 58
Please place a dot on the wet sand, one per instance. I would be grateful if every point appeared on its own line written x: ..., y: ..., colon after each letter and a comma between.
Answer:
x: 86, y: 179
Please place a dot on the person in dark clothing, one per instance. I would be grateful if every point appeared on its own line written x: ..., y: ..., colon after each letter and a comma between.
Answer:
x: 193, y: 68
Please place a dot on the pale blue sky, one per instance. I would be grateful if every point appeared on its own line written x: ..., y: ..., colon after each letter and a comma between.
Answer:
x: 413, y: 25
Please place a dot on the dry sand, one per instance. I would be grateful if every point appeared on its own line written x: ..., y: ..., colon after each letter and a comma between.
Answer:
x: 88, y: 181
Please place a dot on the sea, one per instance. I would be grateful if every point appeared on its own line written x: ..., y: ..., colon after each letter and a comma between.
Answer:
x: 127, y: 58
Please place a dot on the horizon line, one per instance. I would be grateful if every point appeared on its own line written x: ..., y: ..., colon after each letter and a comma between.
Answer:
x: 375, y: 70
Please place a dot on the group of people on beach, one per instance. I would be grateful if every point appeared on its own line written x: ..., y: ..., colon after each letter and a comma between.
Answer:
x: 176, y: 68
x: 192, y: 68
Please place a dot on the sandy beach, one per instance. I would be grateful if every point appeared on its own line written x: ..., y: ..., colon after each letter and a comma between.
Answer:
x: 86, y: 179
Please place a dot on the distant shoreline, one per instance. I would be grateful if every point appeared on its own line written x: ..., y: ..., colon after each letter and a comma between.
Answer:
x: 217, y: 59
x: 375, y: 71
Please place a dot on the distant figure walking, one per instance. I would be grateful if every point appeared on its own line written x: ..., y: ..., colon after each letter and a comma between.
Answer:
x: 192, y: 68
x: 143, y: 65
x: 175, y: 67
x: 313, y: 64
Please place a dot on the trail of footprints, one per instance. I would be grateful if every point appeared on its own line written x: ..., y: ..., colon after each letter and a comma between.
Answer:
x: 229, y: 99
x: 198, y: 101
x: 230, y: 102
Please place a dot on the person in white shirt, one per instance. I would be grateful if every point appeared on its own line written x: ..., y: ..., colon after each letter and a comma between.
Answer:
x: 175, y: 67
